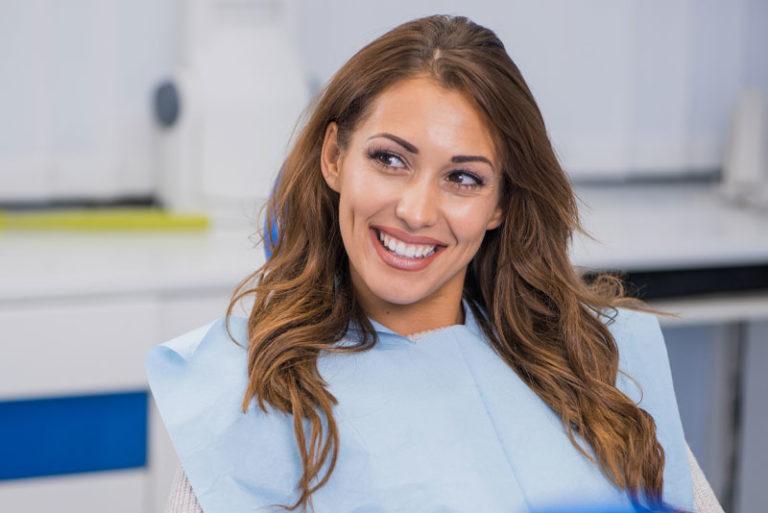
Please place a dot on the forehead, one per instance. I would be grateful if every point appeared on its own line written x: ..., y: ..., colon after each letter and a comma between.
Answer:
x: 422, y: 111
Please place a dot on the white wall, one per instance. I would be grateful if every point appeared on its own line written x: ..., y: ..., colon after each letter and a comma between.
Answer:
x: 627, y: 87
x: 75, y: 90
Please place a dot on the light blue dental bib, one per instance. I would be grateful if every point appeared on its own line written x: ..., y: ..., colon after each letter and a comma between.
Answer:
x: 441, y: 425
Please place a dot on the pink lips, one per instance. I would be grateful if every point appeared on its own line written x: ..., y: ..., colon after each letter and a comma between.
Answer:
x: 402, y: 263
x: 407, y: 237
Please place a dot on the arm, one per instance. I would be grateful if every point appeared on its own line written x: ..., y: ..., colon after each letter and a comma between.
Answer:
x: 703, y: 497
x: 182, y: 499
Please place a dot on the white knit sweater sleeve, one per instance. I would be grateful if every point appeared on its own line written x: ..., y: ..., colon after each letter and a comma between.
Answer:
x: 703, y: 497
x: 182, y: 499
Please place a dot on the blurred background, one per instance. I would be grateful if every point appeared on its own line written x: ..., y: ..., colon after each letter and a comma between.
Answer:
x: 138, y: 139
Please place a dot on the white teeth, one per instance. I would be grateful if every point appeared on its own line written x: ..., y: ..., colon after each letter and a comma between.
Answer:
x: 391, y: 244
x: 404, y: 250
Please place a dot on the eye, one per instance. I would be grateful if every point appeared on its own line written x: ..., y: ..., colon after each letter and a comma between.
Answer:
x: 465, y: 179
x: 386, y: 158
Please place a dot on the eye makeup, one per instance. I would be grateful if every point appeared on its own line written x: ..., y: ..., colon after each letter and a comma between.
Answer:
x: 388, y: 159
x: 476, y: 181
x: 385, y: 158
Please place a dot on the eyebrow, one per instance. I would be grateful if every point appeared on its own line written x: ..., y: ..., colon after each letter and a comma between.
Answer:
x: 457, y: 159
x: 402, y: 142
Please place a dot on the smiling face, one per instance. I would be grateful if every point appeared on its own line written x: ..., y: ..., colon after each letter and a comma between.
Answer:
x: 419, y: 184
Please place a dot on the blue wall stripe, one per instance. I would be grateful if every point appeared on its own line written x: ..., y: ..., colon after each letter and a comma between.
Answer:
x: 64, y: 435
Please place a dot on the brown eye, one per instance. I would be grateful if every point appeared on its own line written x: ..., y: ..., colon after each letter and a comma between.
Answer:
x: 386, y: 159
x: 464, y: 179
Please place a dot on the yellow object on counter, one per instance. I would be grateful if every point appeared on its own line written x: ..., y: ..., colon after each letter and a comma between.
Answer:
x: 102, y: 219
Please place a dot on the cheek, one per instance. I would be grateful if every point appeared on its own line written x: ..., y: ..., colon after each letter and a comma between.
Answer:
x: 470, y: 220
x: 363, y: 181
x: 360, y: 197
x: 364, y: 192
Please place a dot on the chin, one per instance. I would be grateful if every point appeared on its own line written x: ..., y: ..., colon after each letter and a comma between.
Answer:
x: 397, y: 296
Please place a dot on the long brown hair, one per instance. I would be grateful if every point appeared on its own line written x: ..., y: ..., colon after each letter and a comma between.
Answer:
x: 541, y: 316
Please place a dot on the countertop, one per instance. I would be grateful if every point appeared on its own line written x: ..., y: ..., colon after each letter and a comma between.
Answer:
x: 39, y: 264
x: 670, y: 226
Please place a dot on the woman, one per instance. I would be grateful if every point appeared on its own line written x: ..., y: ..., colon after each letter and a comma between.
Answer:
x: 419, y: 340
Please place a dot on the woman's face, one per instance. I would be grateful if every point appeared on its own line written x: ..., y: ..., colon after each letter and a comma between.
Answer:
x: 419, y: 185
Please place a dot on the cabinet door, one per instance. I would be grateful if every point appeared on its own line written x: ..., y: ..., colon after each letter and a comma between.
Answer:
x: 76, y: 79
x: 75, y: 346
x: 88, y: 354
x: 121, y: 491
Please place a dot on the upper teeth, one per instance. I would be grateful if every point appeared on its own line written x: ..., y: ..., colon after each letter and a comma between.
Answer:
x: 402, y: 249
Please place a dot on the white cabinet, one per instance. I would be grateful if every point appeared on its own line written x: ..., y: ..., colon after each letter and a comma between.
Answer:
x: 77, y: 79
x: 122, y: 491
x: 78, y: 314
x: 74, y: 346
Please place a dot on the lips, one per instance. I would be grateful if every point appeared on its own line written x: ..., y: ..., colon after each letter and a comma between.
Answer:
x: 407, y: 237
x: 404, y: 251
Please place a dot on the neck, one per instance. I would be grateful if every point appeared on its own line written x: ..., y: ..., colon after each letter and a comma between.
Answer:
x: 438, y: 309
x: 428, y: 314
x: 406, y: 321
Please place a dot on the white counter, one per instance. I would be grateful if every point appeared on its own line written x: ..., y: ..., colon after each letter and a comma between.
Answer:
x: 39, y: 264
x: 671, y: 226
x: 675, y: 227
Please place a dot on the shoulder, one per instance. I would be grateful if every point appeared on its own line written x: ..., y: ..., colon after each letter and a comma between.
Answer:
x: 197, y: 367
x: 198, y: 381
x: 193, y: 345
x: 639, y: 339
x: 643, y: 361
x: 646, y: 378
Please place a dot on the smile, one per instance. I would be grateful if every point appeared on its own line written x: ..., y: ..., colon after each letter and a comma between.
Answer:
x: 405, y: 250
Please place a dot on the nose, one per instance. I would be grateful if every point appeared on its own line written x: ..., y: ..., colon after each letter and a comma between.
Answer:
x: 417, y: 206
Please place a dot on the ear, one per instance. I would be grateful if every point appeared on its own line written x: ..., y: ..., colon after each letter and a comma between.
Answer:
x: 330, y: 157
x: 496, y: 219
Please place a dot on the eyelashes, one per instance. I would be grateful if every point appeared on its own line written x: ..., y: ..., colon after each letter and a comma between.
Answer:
x: 461, y: 178
x: 384, y: 158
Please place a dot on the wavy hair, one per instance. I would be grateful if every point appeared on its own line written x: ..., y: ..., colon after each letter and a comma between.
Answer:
x: 539, y: 313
